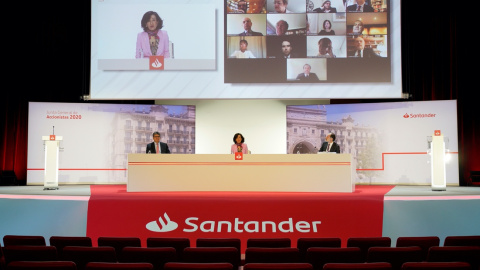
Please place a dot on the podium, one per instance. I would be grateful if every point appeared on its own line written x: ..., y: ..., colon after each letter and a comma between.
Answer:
x: 437, y: 162
x: 52, y: 146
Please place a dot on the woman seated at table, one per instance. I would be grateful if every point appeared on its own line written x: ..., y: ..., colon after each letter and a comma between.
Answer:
x: 239, y: 144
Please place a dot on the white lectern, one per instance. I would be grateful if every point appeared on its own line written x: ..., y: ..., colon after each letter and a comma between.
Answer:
x: 52, y: 146
x: 439, y: 181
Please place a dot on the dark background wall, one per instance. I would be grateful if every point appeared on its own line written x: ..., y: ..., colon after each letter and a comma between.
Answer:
x: 47, y: 48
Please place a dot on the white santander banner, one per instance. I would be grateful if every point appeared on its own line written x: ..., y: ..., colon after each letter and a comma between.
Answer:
x: 389, y: 141
x: 97, y: 138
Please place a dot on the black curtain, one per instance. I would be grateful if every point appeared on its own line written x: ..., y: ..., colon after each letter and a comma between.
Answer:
x: 49, y: 50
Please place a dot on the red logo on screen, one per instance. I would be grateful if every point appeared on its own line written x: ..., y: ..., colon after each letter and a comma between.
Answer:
x: 438, y: 133
x: 52, y: 137
x: 156, y: 63
x: 239, y: 156
x: 406, y: 115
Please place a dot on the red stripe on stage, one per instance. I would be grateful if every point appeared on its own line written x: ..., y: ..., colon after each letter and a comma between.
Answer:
x: 241, y: 163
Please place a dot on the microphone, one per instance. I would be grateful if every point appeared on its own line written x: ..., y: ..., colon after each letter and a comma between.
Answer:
x: 53, y: 130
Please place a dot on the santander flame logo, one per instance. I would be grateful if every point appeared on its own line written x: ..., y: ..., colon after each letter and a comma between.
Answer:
x: 166, y: 224
x: 406, y: 116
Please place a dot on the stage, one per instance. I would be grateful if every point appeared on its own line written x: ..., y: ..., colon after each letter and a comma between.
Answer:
x: 108, y: 210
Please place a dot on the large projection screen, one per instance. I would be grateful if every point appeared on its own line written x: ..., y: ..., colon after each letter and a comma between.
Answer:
x: 197, y: 69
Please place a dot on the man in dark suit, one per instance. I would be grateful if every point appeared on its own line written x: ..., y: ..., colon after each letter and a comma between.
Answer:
x: 247, y: 26
x: 307, y: 76
x: 287, y: 50
x: 360, y: 50
x: 330, y: 145
x: 157, y: 147
x: 360, y: 6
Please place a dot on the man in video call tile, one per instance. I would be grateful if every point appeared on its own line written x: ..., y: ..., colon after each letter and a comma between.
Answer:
x: 247, y: 26
x: 287, y: 50
x: 360, y: 6
x: 307, y: 76
x: 360, y: 50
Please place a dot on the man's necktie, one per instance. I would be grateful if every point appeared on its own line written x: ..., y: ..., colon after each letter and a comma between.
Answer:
x: 156, y: 145
x: 328, y: 147
x: 359, y: 7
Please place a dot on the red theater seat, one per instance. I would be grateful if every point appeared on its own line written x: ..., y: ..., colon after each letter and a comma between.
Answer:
x: 364, y: 266
x: 156, y: 256
x: 424, y: 242
x: 465, y: 240
x: 278, y: 266
x: 118, y: 243
x: 118, y: 266
x: 469, y: 254
x: 62, y: 241
x: 269, y: 242
x: 305, y: 243
x: 179, y: 243
x: 29, y: 253
x: 23, y: 240
x: 396, y: 256
x: 364, y: 243
x: 83, y: 255
x: 272, y: 255
x: 212, y: 255
x: 318, y: 257
x: 197, y: 266
x: 220, y: 242
x: 42, y: 265
x: 436, y: 265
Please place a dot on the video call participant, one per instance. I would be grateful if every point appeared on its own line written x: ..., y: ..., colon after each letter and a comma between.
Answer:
x: 281, y: 28
x: 288, y: 50
x: 327, y: 29
x: 360, y: 6
x: 326, y: 8
x: 242, y: 6
x: 357, y: 28
x: 325, y: 48
x: 152, y: 41
x: 281, y: 6
x: 243, y: 52
x: 247, y: 26
x: 360, y: 51
x: 239, y: 144
x: 307, y: 76
x: 330, y: 145
x: 157, y: 147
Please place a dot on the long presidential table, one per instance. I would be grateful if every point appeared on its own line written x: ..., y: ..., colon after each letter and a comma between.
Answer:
x: 257, y: 172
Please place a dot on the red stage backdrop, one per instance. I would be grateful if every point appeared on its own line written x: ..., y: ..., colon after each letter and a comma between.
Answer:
x: 114, y: 212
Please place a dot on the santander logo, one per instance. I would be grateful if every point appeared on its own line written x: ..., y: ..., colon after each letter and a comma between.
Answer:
x: 166, y: 225
x: 419, y: 115
x: 194, y: 224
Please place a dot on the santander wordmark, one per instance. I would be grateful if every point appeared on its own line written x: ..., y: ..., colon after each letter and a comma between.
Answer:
x: 194, y: 224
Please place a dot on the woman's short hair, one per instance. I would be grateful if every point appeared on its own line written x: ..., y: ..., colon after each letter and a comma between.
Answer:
x: 236, y: 135
x: 326, y: 22
x: 146, y: 18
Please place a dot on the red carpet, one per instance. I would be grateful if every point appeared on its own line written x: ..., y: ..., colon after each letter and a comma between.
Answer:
x: 114, y: 212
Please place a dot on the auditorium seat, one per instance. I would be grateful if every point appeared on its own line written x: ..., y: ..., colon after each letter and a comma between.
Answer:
x: 24, y: 240
x: 212, y: 255
x: 396, y: 256
x: 42, y: 265
x: 220, y: 242
x: 62, y: 241
x: 269, y: 242
x: 156, y: 256
x: 83, y: 255
x: 424, y: 242
x: 278, y: 266
x: 305, y: 243
x: 363, y: 266
x: 272, y: 255
x: 118, y: 266
x: 29, y: 253
x: 118, y: 243
x: 469, y: 254
x: 179, y: 243
x: 364, y: 243
x: 318, y: 256
x: 2, y: 258
x: 464, y: 240
x: 197, y: 266
x: 436, y: 266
